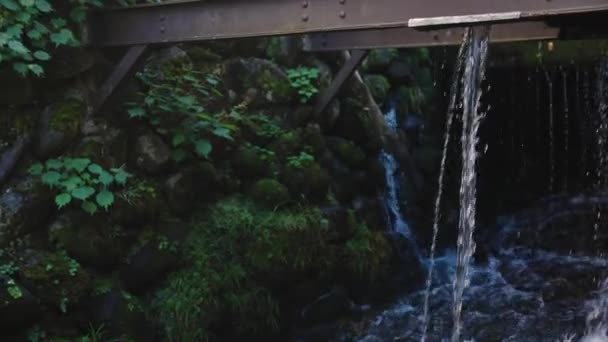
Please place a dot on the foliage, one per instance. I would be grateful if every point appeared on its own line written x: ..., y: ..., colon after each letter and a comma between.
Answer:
x: 36, y: 334
x: 266, y: 126
x: 80, y: 179
x: 30, y: 29
x: 303, y: 80
x: 179, y: 97
x: 301, y: 160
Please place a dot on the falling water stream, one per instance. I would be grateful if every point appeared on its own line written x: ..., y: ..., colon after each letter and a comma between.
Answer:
x: 475, y: 61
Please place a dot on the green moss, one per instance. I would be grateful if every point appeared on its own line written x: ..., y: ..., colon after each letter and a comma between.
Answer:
x: 55, y: 278
x: 269, y: 193
x: 309, y: 182
x: 350, y: 153
x: 380, y: 58
x: 253, y: 161
x: 279, y: 88
x: 379, y: 86
x: 289, y: 143
x: 66, y: 116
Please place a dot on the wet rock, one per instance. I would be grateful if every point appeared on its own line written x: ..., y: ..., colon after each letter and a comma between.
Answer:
x: 121, y: 314
x: 90, y: 241
x: 269, y: 193
x: 18, y: 307
x: 11, y: 156
x: 106, y: 147
x: 59, y: 127
x: 185, y: 187
x: 54, y: 278
x: 264, y: 82
x: 329, y: 307
x: 147, y: 265
x: 17, y: 203
x: 151, y: 155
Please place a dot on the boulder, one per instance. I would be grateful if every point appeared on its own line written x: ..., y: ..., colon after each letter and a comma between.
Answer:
x: 252, y: 162
x: 59, y: 127
x: 54, y: 278
x: 89, y: 240
x: 186, y: 186
x: 269, y: 193
x: 259, y: 82
x: 147, y: 265
x: 18, y: 202
x: 150, y: 154
x: 348, y: 152
x: 106, y: 147
x: 327, y: 308
x: 310, y: 182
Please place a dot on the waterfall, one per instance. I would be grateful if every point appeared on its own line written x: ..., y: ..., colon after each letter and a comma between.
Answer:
x: 436, y: 213
x: 395, y: 219
x: 476, y: 56
x: 551, y: 133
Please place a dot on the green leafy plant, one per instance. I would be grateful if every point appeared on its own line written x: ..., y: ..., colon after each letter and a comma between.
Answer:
x: 174, y: 104
x: 303, y: 80
x: 13, y: 289
x: 36, y: 334
x: 301, y: 160
x: 31, y: 29
x: 81, y: 180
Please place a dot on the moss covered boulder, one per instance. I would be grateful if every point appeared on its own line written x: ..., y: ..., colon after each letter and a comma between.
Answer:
x: 309, y: 181
x: 59, y: 127
x: 107, y: 147
x: 378, y: 60
x: 348, y: 152
x: 55, y: 278
x: 379, y: 86
x: 185, y: 187
x: 261, y: 81
x: 151, y: 154
x: 89, y: 240
x: 251, y: 162
x: 269, y: 193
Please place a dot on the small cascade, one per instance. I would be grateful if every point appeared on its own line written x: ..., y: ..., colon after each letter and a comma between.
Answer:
x: 394, y: 217
x: 454, y: 90
x: 477, y: 41
x: 602, y: 138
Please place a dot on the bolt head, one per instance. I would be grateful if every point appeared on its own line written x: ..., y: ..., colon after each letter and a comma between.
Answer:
x: 342, y: 2
x: 342, y: 14
x: 304, y: 17
x: 305, y: 4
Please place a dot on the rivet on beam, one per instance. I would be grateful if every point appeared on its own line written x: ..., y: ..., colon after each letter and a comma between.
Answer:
x: 342, y: 14
x: 305, y: 4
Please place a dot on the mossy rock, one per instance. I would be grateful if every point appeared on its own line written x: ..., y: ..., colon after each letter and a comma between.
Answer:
x: 107, y: 148
x: 54, y: 277
x: 269, y: 193
x: 251, y: 162
x: 59, y: 127
x: 348, y: 152
x: 379, y: 87
x: 309, y: 182
x: 89, y: 240
x: 288, y: 143
x: 379, y: 59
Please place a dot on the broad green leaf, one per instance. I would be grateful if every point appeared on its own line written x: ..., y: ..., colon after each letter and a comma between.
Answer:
x: 89, y: 207
x: 179, y: 154
x: 36, y: 69
x: 136, y: 112
x: 27, y: 3
x: 17, y: 47
x: 203, y: 148
x: 71, y: 183
x: 63, y: 37
x: 83, y: 192
x: 20, y: 68
x: 95, y: 169
x: 186, y: 100
x: 42, y: 55
x: 44, y: 6
x: 9, y: 4
x: 222, y: 132
x: 23, y: 17
x: 54, y: 164
x: 36, y: 169
x: 105, y: 178
x: 58, y: 22
x: 178, y: 139
x: 78, y: 164
x: 104, y: 199
x: 51, y: 178
x: 121, y: 178
x: 62, y: 200
x: 78, y: 14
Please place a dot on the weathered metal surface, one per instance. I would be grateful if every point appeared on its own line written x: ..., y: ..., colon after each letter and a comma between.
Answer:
x: 351, y: 64
x: 218, y: 19
x: 123, y: 70
x: 407, y: 37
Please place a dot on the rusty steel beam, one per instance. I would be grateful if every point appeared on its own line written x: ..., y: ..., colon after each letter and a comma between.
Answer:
x: 182, y: 21
x: 349, y: 67
x: 403, y: 37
